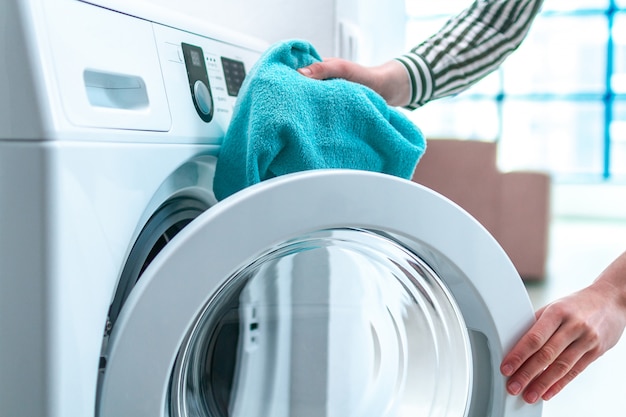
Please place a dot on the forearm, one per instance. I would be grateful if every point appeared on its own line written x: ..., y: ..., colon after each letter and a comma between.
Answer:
x: 467, y: 48
x: 612, y: 281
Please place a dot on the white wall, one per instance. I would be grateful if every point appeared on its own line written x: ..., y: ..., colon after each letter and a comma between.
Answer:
x: 382, y: 27
x: 381, y: 23
x: 270, y: 20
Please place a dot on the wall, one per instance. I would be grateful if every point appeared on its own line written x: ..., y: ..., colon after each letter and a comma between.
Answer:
x: 270, y: 20
x: 381, y: 23
x: 381, y: 26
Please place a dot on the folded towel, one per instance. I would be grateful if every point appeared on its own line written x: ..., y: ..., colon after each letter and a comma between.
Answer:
x: 284, y: 122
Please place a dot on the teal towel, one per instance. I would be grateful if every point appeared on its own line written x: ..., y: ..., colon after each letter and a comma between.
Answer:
x: 284, y: 122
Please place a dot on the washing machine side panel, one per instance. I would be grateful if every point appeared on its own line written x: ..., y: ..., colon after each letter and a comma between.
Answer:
x: 101, y: 194
x: 25, y: 362
x: 68, y: 216
x: 58, y: 271
x: 21, y: 113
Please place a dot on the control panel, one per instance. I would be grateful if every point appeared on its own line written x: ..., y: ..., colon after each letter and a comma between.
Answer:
x: 200, y: 87
x: 202, y: 78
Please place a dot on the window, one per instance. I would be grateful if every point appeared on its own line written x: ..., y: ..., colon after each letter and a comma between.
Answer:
x: 558, y: 103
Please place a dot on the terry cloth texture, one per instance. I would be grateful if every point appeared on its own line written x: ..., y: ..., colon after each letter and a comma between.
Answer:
x: 284, y: 122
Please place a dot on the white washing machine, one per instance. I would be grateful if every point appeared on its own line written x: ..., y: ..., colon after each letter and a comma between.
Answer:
x: 127, y: 290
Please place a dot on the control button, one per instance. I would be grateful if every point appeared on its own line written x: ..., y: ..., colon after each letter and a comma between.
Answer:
x: 173, y: 52
x: 203, y: 97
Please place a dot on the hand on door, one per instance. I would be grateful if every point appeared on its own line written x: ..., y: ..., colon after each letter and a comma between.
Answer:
x: 569, y: 334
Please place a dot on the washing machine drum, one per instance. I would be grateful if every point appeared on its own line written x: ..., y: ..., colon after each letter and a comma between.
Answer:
x: 322, y: 294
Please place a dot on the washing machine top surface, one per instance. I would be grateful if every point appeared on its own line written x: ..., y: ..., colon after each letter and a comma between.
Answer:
x: 336, y: 292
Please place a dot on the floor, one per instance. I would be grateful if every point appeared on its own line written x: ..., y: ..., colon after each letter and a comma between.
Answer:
x: 579, y: 250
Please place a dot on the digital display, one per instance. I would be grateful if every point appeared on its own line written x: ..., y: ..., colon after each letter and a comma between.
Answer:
x: 196, y: 59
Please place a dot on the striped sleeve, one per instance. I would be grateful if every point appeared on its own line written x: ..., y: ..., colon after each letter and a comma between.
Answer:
x: 467, y: 48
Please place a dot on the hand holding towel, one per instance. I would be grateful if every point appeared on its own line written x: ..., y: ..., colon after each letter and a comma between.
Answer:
x: 284, y: 122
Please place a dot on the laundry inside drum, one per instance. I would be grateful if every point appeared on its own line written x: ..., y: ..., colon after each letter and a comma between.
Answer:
x: 337, y: 323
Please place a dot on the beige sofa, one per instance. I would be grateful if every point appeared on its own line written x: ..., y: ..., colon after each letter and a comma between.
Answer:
x: 513, y: 206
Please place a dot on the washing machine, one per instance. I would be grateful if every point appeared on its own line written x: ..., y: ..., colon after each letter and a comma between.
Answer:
x: 126, y: 289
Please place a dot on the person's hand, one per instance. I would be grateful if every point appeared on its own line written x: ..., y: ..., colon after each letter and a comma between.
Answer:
x: 568, y: 335
x: 390, y: 80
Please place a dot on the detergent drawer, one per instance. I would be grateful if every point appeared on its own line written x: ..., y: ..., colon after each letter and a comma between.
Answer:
x: 106, y: 68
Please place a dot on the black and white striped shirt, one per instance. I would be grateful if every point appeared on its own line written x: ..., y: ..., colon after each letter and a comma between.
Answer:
x: 467, y: 48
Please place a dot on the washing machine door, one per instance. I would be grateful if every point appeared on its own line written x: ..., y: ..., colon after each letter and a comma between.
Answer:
x: 327, y: 294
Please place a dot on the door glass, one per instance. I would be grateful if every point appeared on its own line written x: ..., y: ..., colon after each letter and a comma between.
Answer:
x: 338, y: 323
